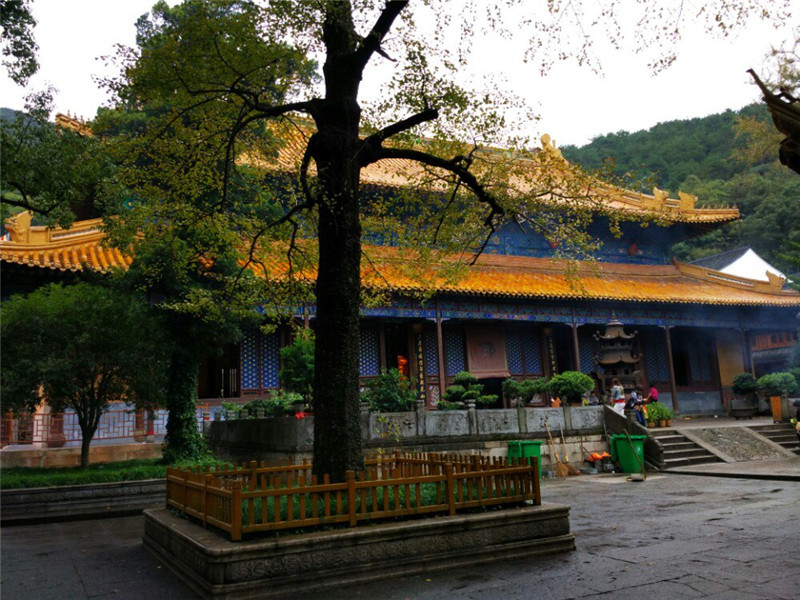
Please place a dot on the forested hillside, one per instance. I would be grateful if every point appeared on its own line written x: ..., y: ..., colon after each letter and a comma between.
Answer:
x: 715, y: 158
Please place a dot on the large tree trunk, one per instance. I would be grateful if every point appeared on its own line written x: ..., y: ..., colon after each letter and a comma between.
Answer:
x: 337, y: 419
x: 183, y: 440
x: 337, y: 431
x: 88, y: 429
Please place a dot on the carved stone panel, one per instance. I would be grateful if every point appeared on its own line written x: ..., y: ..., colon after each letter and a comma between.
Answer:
x: 446, y: 423
x: 497, y: 421
x: 537, y: 417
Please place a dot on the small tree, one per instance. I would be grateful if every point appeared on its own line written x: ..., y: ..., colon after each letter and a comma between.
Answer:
x: 777, y: 384
x: 390, y: 391
x: 466, y: 387
x: 744, y: 384
x: 297, y: 369
x: 80, y: 347
x: 522, y: 392
x: 570, y: 386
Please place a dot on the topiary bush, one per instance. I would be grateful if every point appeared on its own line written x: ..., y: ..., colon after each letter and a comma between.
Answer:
x: 777, y: 384
x: 744, y: 383
x: 390, y: 391
x: 278, y: 404
x: 521, y: 393
x: 570, y: 386
x: 466, y: 387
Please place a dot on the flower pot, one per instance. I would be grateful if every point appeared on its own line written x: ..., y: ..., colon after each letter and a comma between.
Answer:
x: 651, y: 424
x: 669, y: 422
x: 775, y: 405
x: 662, y: 422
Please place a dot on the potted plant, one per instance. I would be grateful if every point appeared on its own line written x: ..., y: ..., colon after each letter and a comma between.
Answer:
x: 776, y: 386
x: 744, y: 388
x: 666, y: 415
x: 659, y: 414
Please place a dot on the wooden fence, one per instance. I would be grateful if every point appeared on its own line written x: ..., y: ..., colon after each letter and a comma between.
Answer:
x: 258, y: 498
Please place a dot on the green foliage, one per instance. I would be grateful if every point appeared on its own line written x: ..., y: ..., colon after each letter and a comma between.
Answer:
x: 84, y: 346
x: 465, y: 380
x: 777, y: 384
x: 523, y: 392
x: 466, y: 387
x: 19, y: 46
x: 129, y: 470
x: 570, y: 386
x: 744, y: 383
x: 297, y: 364
x: 390, y: 391
x: 55, y: 172
x: 486, y: 401
x: 446, y: 405
x: 132, y: 470
x: 795, y: 371
x: 672, y: 151
x: 707, y: 157
x: 278, y: 404
x: 658, y: 411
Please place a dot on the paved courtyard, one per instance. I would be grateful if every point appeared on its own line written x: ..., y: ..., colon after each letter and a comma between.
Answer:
x: 672, y: 537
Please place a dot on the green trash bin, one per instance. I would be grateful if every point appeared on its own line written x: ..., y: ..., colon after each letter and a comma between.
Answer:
x: 526, y: 449
x: 626, y: 456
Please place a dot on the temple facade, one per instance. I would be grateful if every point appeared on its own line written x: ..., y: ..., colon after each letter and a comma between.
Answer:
x: 514, y: 313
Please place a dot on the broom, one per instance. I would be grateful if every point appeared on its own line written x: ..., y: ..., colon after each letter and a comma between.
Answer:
x: 571, y: 470
x: 561, y: 468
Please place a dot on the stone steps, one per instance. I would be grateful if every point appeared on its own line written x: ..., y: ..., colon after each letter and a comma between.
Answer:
x: 780, y: 433
x: 679, y: 451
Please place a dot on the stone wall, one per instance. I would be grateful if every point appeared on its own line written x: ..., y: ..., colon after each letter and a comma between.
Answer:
x: 463, y: 431
x: 71, y: 457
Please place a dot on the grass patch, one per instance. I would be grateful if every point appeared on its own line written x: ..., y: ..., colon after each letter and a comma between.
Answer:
x: 129, y: 470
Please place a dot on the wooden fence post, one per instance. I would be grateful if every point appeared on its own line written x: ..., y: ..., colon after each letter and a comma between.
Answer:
x: 206, y: 483
x: 183, y: 490
x: 236, y: 512
x: 450, y: 487
x: 537, y: 493
x: 253, y: 475
x: 350, y: 478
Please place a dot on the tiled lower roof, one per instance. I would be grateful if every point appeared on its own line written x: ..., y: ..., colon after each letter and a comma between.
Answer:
x: 493, y: 275
x: 67, y: 256
x: 527, y: 277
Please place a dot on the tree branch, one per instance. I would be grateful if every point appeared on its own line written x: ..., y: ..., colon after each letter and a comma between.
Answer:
x: 455, y: 166
x: 372, y: 42
x: 429, y: 114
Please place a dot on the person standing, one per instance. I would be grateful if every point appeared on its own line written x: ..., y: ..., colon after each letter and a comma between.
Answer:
x: 618, y: 396
x: 652, y: 395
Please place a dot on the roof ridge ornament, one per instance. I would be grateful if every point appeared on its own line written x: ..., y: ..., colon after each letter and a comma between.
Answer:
x: 549, y: 145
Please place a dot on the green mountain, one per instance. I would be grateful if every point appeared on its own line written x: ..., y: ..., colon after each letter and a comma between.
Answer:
x: 702, y: 156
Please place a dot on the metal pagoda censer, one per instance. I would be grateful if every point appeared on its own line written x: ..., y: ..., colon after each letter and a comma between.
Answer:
x: 617, y: 358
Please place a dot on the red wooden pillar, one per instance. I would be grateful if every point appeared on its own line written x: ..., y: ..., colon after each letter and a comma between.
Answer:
x: 671, y: 365
x: 440, y: 353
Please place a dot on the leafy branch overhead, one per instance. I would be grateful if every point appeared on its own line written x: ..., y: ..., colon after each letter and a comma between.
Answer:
x: 259, y: 172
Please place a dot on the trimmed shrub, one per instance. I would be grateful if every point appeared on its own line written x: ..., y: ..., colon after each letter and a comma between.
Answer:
x: 390, y: 391
x: 570, y: 386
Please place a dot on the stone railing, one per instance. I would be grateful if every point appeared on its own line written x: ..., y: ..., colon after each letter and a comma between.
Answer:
x: 245, y: 439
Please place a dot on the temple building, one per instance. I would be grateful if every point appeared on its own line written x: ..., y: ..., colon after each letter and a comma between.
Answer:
x: 514, y: 313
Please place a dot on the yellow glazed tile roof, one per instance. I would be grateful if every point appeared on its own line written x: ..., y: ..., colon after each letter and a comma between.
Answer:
x: 542, y: 278
x: 60, y: 249
x: 493, y: 275
x: 397, y: 173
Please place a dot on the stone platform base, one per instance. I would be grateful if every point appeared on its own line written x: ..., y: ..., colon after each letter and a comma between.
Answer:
x: 217, y: 568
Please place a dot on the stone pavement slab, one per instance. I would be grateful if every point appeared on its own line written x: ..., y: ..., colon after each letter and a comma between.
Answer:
x: 672, y: 536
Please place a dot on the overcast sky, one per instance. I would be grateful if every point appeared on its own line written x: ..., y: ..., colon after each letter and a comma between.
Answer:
x: 574, y: 104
